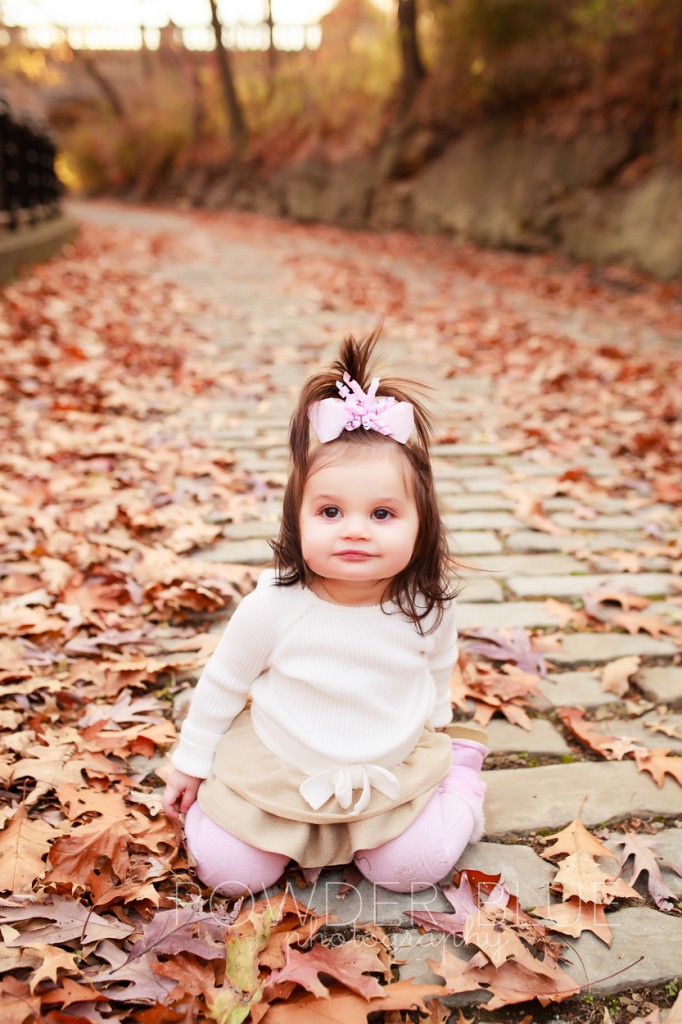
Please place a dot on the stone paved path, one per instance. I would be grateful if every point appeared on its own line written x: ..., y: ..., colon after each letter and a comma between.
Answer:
x: 257, y: 306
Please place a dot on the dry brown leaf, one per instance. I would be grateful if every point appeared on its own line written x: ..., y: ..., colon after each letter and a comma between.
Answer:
x: 634, y: 622
x: 615, y: 677
x: 575, y: 838
x: 23, y: 846
x: 658, y: 764
x: 604, y: 595
x: 573, y: 917
x: 580, y: 876
x: 566, y: 613
x: 343, y: 1007
x: 75, y: 858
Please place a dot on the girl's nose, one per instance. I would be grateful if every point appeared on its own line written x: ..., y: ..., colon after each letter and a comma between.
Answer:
x: 355, y: 526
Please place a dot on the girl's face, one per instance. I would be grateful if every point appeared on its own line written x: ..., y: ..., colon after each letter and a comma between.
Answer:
x: 358, y: 523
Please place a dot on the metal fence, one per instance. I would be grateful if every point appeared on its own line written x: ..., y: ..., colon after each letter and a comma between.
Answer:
x: 30, y: 190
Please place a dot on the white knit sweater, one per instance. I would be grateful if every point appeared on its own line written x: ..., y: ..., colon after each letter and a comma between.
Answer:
x: 331, y: 685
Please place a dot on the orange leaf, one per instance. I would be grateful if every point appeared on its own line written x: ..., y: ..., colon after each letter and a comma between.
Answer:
x: 658, y: 764
x: 574, y: 916
x: 343, y: 1007
x: 575, y: 838
x: 23, y: 845
x: 615, y: 677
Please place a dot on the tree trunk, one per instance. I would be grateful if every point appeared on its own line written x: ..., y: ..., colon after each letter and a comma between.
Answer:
x: 147, y: 67
x: 237, y: 122
x: 104, y: 84
x: 272, y: 52
x: 413, y: 66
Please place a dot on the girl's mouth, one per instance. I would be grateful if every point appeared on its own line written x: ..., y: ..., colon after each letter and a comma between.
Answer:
x: 354, y: 556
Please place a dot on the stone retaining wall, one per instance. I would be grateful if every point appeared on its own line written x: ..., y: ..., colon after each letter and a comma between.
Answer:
x: 493, y: 186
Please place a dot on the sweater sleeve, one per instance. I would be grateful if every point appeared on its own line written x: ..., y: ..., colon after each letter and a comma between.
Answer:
x: 241, y: 656
x: 441, y: 663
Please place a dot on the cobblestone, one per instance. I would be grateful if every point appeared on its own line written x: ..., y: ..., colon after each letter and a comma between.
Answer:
x: 477, y: 589
x: 662, y: 684
x: 574, y: 689
x: 477, y: 503
x: 581, y: 539
x: 474, y: 542
x: 479, y: 521
x: 508, y: 615
x: 623, y: 522
x: 530, y: 565
x: 650, y: 584
x: 589, y: 648
x: 519, y: 800
x: 647, y: 731
x: 543, y: 738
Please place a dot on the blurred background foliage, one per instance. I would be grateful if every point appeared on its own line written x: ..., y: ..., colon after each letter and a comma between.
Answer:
x: 130, y: 121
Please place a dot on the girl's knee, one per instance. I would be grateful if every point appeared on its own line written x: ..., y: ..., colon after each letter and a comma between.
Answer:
x: 226, y: 864
x: 427, y: 851
x: 402, y: 867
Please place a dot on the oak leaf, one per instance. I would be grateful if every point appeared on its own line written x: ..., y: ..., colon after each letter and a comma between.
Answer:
x: 670, y: 729
x: 193, y: 976
x: 658, y: 764
x: 185, y: 930
x: 344, y: 1007
x: 575, y: 838
x: 634, y: 622
x: 613, y: 748
x: 645, y: 861
x: 146, y: 985
x: 348, y: 963
x: 566, y: 613
x: 616, y: 674
x: 18, y: 1004
x: 605, y: 595
x: 59, y: 919
x: 125, y: 709
x: 511, y: 646
x: 510, y: 983
x: 53, y: 959
x: 573, y: 917
x: 74, y: 858
x: 581, y: 876
x: 23, y: 846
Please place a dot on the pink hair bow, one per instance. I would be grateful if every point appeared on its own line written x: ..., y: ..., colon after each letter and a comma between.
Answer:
x: 330, y: 416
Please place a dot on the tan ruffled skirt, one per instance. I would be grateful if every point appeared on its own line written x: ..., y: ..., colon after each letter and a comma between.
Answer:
x: 255, y: 795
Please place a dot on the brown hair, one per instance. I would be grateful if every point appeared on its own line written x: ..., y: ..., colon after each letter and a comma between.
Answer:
x: 424, y: 584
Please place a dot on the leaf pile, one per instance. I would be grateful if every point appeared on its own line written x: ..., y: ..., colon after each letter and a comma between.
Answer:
x: 586, y: 885
x: 112, y: 483
x: 109, y: 483
x: 508, y: 690
x: 515, y: 959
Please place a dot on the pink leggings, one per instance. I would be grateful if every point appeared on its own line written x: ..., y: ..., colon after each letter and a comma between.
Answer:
x: 416, y: 859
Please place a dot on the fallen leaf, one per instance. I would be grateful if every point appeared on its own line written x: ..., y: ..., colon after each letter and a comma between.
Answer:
x: 343, y: 1007
x: 23, y: 846
x: 507, y: 646
x: 645, y: 861
x: 658, y: 764
x: 616, y: 674
x: 573, y: 917
x: 349, y: 963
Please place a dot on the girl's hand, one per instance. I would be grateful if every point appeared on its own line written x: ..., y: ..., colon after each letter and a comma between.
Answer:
x: 180, y: 793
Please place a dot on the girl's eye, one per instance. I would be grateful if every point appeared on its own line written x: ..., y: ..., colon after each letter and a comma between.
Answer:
x: 381, y: 514
x: 331, y: 512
